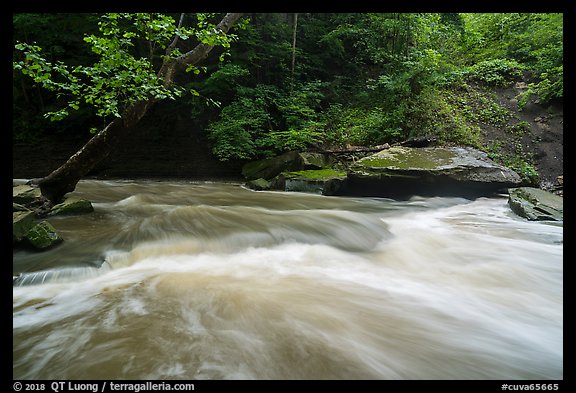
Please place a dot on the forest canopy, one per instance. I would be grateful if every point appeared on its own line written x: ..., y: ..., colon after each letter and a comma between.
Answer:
x: 295, y: 81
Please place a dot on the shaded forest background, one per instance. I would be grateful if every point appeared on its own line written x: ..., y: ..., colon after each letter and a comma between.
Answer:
x: 315, y: 81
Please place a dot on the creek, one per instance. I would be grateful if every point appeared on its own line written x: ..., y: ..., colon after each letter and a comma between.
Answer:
x: 209, y: 280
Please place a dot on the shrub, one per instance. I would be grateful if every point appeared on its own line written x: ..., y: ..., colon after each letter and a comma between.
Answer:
x: 496, y: 72
x: 550, y: 87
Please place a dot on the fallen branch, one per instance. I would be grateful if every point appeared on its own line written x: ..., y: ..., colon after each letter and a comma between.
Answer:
x: 357, y: 149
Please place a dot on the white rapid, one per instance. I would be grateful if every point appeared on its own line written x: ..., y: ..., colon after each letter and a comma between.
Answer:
x: 177, y: 280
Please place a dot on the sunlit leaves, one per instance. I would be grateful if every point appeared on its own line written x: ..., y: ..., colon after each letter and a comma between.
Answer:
x: 196, y: 70
x: 128, y: 46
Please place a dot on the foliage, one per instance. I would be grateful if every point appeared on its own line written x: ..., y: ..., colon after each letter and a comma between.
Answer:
x: 265, y: 120
x: 241, y: 124
x: 550, y: 88
x: 496, y: 72
x: 294, y: 139
x: 359, y: 78
x: 361, y: 126
x: 122, y: 75
x: 517, y: 161
x: 534, y: 40
x: 61, y: 36
x: 447, y: 115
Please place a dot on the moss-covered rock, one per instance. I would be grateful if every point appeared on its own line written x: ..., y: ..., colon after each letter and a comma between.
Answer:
x: 316, y: 174
x: 409, y: 158
x: 269, y: 168
x: 319, y: 181
x: 22, y: 222
x: 406, y: 171
x: 42, y: 236
x: 71, y: 206
x: 258, y: 184
x: 535, y: 204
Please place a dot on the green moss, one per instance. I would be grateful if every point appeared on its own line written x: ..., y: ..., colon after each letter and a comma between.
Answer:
x: 315, y: 174
x: 259, y: 184
x: 72, y: 206
x: 403, y: 158
x: 22, y: 221
x: 43, y: 235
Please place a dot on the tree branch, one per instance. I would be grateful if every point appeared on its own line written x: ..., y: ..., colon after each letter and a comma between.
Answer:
x: 64, y: 179
x: 200, y: 51
x: 175, y: 40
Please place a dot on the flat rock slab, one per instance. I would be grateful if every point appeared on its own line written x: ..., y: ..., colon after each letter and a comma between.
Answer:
x: 405, y: 171
x: 535, y: 204
x: 24, y: 194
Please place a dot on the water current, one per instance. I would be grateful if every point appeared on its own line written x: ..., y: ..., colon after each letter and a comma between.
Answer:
x: 209, y: 280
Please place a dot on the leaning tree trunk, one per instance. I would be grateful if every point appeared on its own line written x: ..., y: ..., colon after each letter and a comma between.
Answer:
x: 64, y: 179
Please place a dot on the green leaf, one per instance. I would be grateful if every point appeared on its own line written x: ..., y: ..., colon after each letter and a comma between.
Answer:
x: 117, y: 77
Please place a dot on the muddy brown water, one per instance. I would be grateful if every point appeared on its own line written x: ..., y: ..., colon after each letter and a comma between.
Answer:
x: 184, y: 280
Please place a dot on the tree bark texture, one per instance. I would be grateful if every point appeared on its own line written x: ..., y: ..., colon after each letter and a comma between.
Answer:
x: 294, y: 44
x: 65, y: 178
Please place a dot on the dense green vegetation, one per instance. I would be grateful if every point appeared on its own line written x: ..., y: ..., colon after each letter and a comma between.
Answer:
x: 329, y: 80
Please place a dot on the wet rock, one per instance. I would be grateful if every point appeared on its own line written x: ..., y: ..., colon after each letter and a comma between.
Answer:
x: 24, y: 194
x: 269, y: 168
x: 535, y: 204
x: 315, y: 160
x: 258, y: 184
x: 401, y: 172
x: 71, y: 206
x: 16, y: 207
x: 22, y: 222
x: 320, y: 181
x: 42, y: 236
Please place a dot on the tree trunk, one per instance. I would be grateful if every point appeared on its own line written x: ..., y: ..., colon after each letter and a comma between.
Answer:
x: 64, y: 179
x: 294, y: 44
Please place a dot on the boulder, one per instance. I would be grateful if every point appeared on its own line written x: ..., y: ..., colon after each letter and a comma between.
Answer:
x: 269, y: 168
x: 401, y: 172
x: 22, y: 222
x: 42, y: 236
x: 258, y: 184
x: 16, y: 207
x: 71, y: 206
x: 315, y: 160
x: 24, y: 194
x: 319, y: 181
x: 535, y: 204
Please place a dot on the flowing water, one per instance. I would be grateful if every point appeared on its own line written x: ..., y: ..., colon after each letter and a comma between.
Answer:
x: 183, y: 280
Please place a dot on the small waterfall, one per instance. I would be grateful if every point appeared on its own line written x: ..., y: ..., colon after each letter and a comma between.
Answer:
x: 59, y: 275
